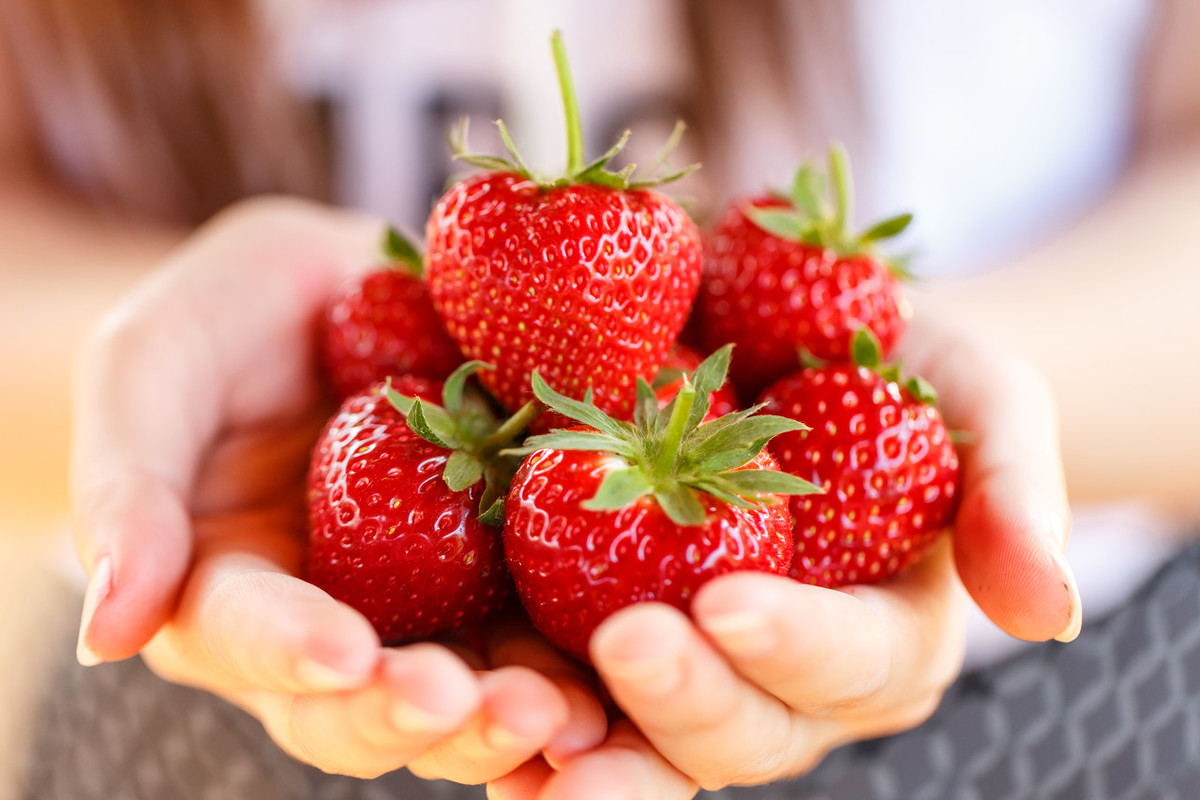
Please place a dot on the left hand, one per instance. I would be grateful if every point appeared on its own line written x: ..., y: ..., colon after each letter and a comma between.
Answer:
x: 769, y: 675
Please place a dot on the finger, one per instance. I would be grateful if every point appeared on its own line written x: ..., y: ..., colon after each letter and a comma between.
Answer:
x: 521, y: 712
x: 812, y: 648
x: 702, y: 716
x: 420, y: 696
x: 244, y: 622
x: 1013, y: 518
x: 523, y: 783
x: 162, y: 373
x: 625, y: 767
x: 923, y: 616
x: 517, y: 644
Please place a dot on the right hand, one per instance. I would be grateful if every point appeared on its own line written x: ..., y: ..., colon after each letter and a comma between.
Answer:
x: 197, y: 404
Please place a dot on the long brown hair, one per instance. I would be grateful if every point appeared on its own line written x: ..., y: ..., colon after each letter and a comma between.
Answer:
x: 167, y: 110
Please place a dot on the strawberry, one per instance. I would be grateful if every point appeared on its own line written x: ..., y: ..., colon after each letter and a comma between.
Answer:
x: 393, y: 507
x: 681, y: 361
x: 880, y: 450
x: 586, y: 279
x: 613, y: 513
x: 781, y: 274
x: 382, y: 323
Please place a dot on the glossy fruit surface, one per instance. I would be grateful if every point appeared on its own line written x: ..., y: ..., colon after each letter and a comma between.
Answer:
x: 587, y: 284
x: 387, y: 536
x: 382, y: 324
x: 772, y: 296
x: 574, y: 567
x: 886, y: 462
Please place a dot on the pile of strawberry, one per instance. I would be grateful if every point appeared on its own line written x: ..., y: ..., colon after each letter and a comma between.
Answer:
x: 518, y: 414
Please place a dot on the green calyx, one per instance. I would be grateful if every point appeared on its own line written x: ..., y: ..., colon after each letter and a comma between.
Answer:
x: 466, y: 425
x: 819, y: 212
x: 578, y: 170
x: 673, y: 454
x: 865, y: 351
x: 400, y: 251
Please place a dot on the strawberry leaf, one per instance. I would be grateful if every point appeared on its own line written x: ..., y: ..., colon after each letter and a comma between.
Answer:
x: 769, y: 481
x: 433, y: 425
x: 680, y: 504
x: 893, y: 226
x: 744, y: 436
x: 719, y: 488
x: 808, y: 187
x: 708, y: 378
x: 574, y: 440
x: 620, y: 488
x: 494, y: 513
x: 865, y: 349
x: 462, y: 471
x: 399, y: 248
x: 401, y: 402
x: 585, y: 412
x: 646, y: 408
x: 452, y: 390
x: 784, y: 223
x: 921, y: 389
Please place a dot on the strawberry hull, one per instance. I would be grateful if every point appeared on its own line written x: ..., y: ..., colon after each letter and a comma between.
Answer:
x: 771, y: 296
x: 386, y: 536
x: 586, y: 284
x: 574, y: 567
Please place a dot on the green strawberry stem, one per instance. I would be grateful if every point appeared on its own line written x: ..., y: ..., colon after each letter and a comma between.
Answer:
x: 508, y: 431
x: 843, y: 190
x: 579, y: 171
x: 681, y: 411
x: 575, y: 153
x: 819, y: 211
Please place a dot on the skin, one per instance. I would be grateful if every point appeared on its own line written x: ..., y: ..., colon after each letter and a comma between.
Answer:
x: 193, y: 552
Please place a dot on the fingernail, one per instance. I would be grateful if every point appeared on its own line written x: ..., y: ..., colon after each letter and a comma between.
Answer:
x: 1075, y: 623
x: 410, y: 718
x: 320, y: 676
x: 742, y: 633
x: 99, y: 587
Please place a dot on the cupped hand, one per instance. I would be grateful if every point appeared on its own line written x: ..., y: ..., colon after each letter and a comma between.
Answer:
x: 196, y: 407
x: 768, y: 675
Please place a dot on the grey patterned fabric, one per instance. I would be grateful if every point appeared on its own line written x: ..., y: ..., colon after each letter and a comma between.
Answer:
x: 1115, y: 714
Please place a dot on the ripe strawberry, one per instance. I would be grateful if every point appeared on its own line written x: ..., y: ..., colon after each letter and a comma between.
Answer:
x: 393, y: 507
x: 883, y: 455
x: 681, y: 361
x: 782, y: 274
x: 586, y: 279
x: 614, y: 513
x: 382, y: 323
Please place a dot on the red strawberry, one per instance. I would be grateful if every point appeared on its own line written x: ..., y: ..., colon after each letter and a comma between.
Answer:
x: 586, y: 279
x: 602, y: 516
x: 784, y: 274
x: 382, y: 323
x: 884, y: 458
x: 394, y: 522
x: 681, y: 361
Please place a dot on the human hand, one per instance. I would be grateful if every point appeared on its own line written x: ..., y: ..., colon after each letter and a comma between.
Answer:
x: 196, y: 408
x: 770, y: 674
